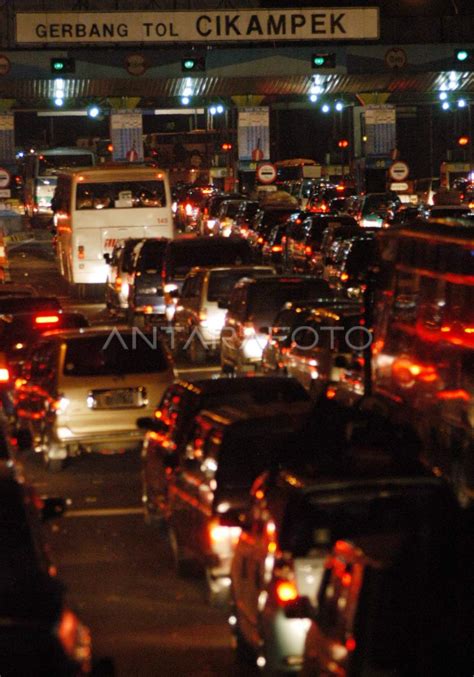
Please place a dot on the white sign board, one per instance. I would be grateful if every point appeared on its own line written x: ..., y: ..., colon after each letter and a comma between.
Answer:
x: 226, y: 25
x: 266, y: 173
x: 4, y: 178
x: 399, y: 171
x: 254, y: 133
x: 5, y: 192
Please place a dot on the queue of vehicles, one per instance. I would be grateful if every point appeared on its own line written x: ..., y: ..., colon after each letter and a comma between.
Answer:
x: 320, y: 524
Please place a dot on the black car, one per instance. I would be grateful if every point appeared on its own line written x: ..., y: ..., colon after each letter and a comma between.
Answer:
x: 146, y: 295
x: 39, y: 634
x: 169, y: 430
x: 22, y: 304
x: 209, y: 208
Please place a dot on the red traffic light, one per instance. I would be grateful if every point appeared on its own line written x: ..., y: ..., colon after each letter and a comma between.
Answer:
x: 226, y: 146
x: 463, y: 140
x: 343, y: 143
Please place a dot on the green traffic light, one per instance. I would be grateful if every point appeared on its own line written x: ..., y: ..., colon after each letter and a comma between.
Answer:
x: 189, y: 64
x: 58, y: 65
x: 319, y: 60
x: 462, y: 55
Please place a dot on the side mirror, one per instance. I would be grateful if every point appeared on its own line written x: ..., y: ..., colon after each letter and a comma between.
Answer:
x: 152, y: 424
x: 223, y: 304
x: 300, y: 607
x: 52, y: 507
x: 107, y: 258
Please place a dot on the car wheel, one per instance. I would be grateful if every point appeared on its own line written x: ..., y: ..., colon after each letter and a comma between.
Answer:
x: 182, y: 565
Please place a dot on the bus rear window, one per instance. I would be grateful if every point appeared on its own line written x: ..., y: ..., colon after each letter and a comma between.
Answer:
x: 48, y: 163
x: 121, y: 195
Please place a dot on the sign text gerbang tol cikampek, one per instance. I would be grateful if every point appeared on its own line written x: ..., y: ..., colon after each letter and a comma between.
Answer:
x: 217, y: 26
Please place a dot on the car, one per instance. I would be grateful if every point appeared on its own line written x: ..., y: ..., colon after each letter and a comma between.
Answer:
x: 378, y: 209
x: 168, y: 431
x: 209, y: 209
x: 198, y: 320
x: 20, y: 330
x: 189, y: 205
x: 228, y: 448
x: 387, y: 604
x: 226, y: 216
x: 304, y: 242
x: 266, y: 219
x: 82, y: 389
x: 286, y: 326
x: 330, y: 340
x: 349, y: 481
x: 244, y: 216
x: 355, y: 258
x: 450, y: 212
x: 146, y: 296
x: 185, y: 253
x: 273, y: 248
x: 338, y: 229
x: 252, y: 305
x: 21, y: 304
x: 40, y: 634
x: 117, y: 284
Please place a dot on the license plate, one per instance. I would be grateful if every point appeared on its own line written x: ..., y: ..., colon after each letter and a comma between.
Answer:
x: 117, y: 398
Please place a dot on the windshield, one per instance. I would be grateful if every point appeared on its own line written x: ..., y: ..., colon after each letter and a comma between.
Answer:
x: 184, y: 256
x: 114, y: 353
x: 222, y: 282
x: 121, y: 195
x: 267, y: 299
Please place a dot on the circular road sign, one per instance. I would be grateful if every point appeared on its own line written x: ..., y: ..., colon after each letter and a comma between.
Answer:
x: 399, y: 171
x: 4, y: 64
x: 4, y: 178
x: 136, y: 64
x: 266, y: 173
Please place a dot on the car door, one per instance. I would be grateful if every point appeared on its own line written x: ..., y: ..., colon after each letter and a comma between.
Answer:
x: 187, y: 310
x: 232, y: 332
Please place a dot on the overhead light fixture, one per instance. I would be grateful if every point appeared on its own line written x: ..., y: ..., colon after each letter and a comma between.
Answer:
x: 185, y: 100
x: 339, y: 106
x: 93, y: 111
x: 443, y: 96
x: 59, y: 101
x: 313, y: 98
x: 445, y: 105
x: 325, y: 108
x: 461, y: 103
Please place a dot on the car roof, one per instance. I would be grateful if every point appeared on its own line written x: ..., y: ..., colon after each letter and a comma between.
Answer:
x: 239, y: 383
x: 243, y: 266
x: 276, y: 279
x: 255, y: 415
x: 84, y: 332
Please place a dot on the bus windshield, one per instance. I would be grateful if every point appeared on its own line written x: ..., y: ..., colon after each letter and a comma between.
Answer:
x: 120, y: 195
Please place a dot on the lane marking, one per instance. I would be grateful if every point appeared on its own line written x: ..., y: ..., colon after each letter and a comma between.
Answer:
x: 103, y: 512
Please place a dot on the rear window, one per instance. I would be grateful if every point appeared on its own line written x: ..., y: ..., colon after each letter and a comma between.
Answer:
x: 267, y: 299
x: 28, y: 303
x: 222, y: 282
x: 121, y: 195
x: 329, y: 517
x: 114, y: 354
x: 152, y: 256
x: 183, y: 257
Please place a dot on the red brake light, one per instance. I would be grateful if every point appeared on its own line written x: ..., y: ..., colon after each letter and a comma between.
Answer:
x: 277, y: 248
x: 67, y: 631
x: 344, y: 277
x: 47, y: 319
x: 286, y: 591
x: 308, y: 250
x: 350, y: 644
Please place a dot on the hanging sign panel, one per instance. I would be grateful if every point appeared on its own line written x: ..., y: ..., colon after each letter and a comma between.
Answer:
x: 254, y: 133
x: 380, y: 129
x: 227, y: 25
x: 7, y: 137
x: 126, y: 134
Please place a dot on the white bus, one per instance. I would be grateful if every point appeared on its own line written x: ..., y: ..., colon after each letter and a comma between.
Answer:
x: 95, y: 208
x: 40, y: 175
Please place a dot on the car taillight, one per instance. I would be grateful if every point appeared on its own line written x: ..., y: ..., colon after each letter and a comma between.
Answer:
x: 81, y: 252
x: 277, y: 248
x: 344, y: 277
x: 260, y: 240
x: 118, y: 283
x: 308, y: 250
x: 67, y: 631
x: 286, y: 591
x: 4, y: 375
x: 46, y: 319
x: 188, y: 208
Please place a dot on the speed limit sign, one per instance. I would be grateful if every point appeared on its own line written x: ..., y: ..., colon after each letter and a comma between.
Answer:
x: 266, y: 173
